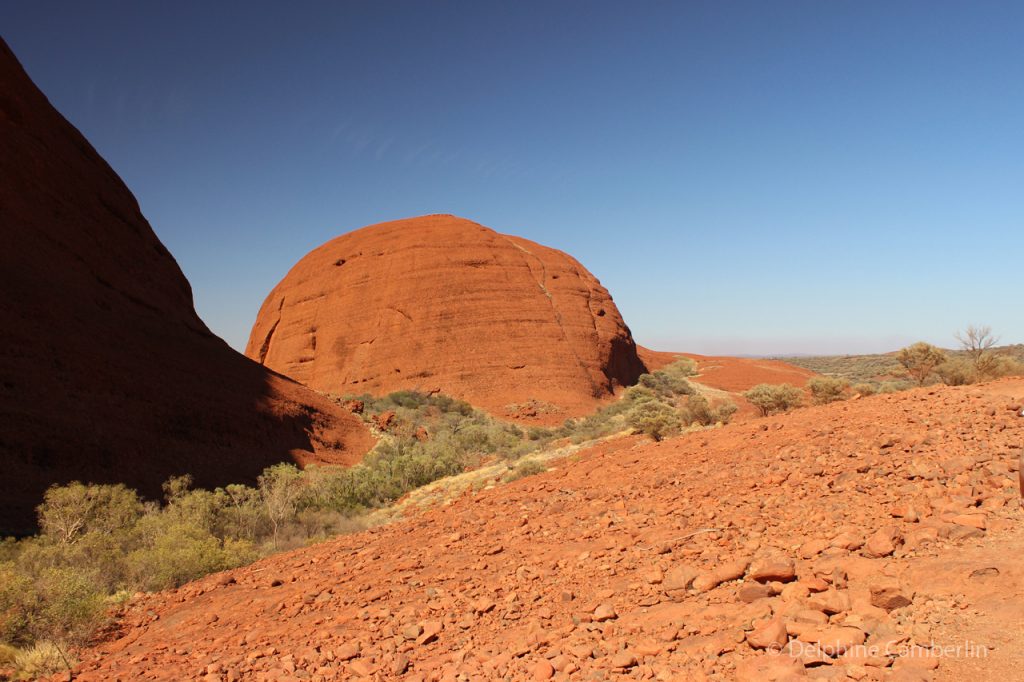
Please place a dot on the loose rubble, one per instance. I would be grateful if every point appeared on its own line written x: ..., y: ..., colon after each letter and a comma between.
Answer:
x: 774, y: 549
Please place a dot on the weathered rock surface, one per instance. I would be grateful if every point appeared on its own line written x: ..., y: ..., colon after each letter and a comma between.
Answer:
x: 596, y: 577
x: 439, y: 303
x: 106, y: 372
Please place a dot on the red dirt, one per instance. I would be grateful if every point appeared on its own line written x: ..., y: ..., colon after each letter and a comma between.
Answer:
x: 680, y: 560
x: 732, y: 375
x: 442, y: 304
x: 106, y: 372
x: 736, y: 375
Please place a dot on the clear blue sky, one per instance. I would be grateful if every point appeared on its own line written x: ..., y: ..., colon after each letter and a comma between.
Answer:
x: 744, y: 177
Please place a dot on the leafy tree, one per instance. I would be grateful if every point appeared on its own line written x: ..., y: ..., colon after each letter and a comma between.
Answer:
x: 920, y: 360
x: 70, y: 511
x: 280, y: 489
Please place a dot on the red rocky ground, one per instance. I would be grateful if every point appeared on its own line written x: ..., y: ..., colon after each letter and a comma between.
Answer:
x: 887, y: 522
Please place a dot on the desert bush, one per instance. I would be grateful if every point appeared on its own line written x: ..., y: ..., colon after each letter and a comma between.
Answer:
x: 655, y: 419
x: 62, y: 602
x: 957, y: 372
x: 42, y: 659
x: 920, y: 360
x: 827, y: 389
x: 17, y: 606
x: 864, y: 389
x: 69, y: 511
x: 724, y: 411
x: 171, y: 553
x: 524, y: 468
x: 240, y: 513
x: 774, y: 398
x: 894, y: 386
x: 669, y: 381
x: 698, y: 410
x: 280, y: 489
x: 996, y: 365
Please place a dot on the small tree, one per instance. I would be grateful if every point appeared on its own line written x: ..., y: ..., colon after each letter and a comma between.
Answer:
x: 976, y: 341
x: 920, y: 360
x: 280, y: 489
x: 773, y: 398
x: 71, y: 510
x: 826, y: 390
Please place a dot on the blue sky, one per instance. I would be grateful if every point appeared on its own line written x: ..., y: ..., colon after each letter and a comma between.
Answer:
x: 744, y: 177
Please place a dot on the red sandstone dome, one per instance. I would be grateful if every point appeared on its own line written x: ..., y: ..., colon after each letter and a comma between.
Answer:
x: 106, y: 372
x: 443, y: 304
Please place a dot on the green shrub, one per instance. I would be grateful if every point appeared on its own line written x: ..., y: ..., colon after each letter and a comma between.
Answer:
x: 957, y: 372
x: 774, y: 398
x: 60, y: 602
x: 18, y: 606
x: 280, y: 489
x: 724, y: 412
x: 864, y: 389
x: 699, y: 411
x: 994, y: 365
x: 655, y: 419
x: 667, y: 382
x: 172, y: 553
x: 826, y: 390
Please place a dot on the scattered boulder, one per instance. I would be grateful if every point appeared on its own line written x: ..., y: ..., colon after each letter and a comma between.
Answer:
x: 887, y: 593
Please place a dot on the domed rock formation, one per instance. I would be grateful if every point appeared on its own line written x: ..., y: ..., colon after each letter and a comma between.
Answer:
x: 106, y: 372
x: 442, y: 304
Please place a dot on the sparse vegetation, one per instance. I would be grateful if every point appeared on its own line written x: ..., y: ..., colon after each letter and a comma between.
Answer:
x: 99, y: 543
x: 524, y: 468
x: 41, y: 660
x: 857, y: 369
x: 826, y: 390
x: 699, y: 411
x: 864, y: 389
x: 977, y: 359
x: 774, y: 398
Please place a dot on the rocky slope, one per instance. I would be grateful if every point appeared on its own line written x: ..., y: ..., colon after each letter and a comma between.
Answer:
x: 439, y: 303
x: 833, y: 542
x: 106, y: 372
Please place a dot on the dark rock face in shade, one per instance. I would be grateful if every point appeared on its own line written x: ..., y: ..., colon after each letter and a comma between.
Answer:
x: 106, y: 372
